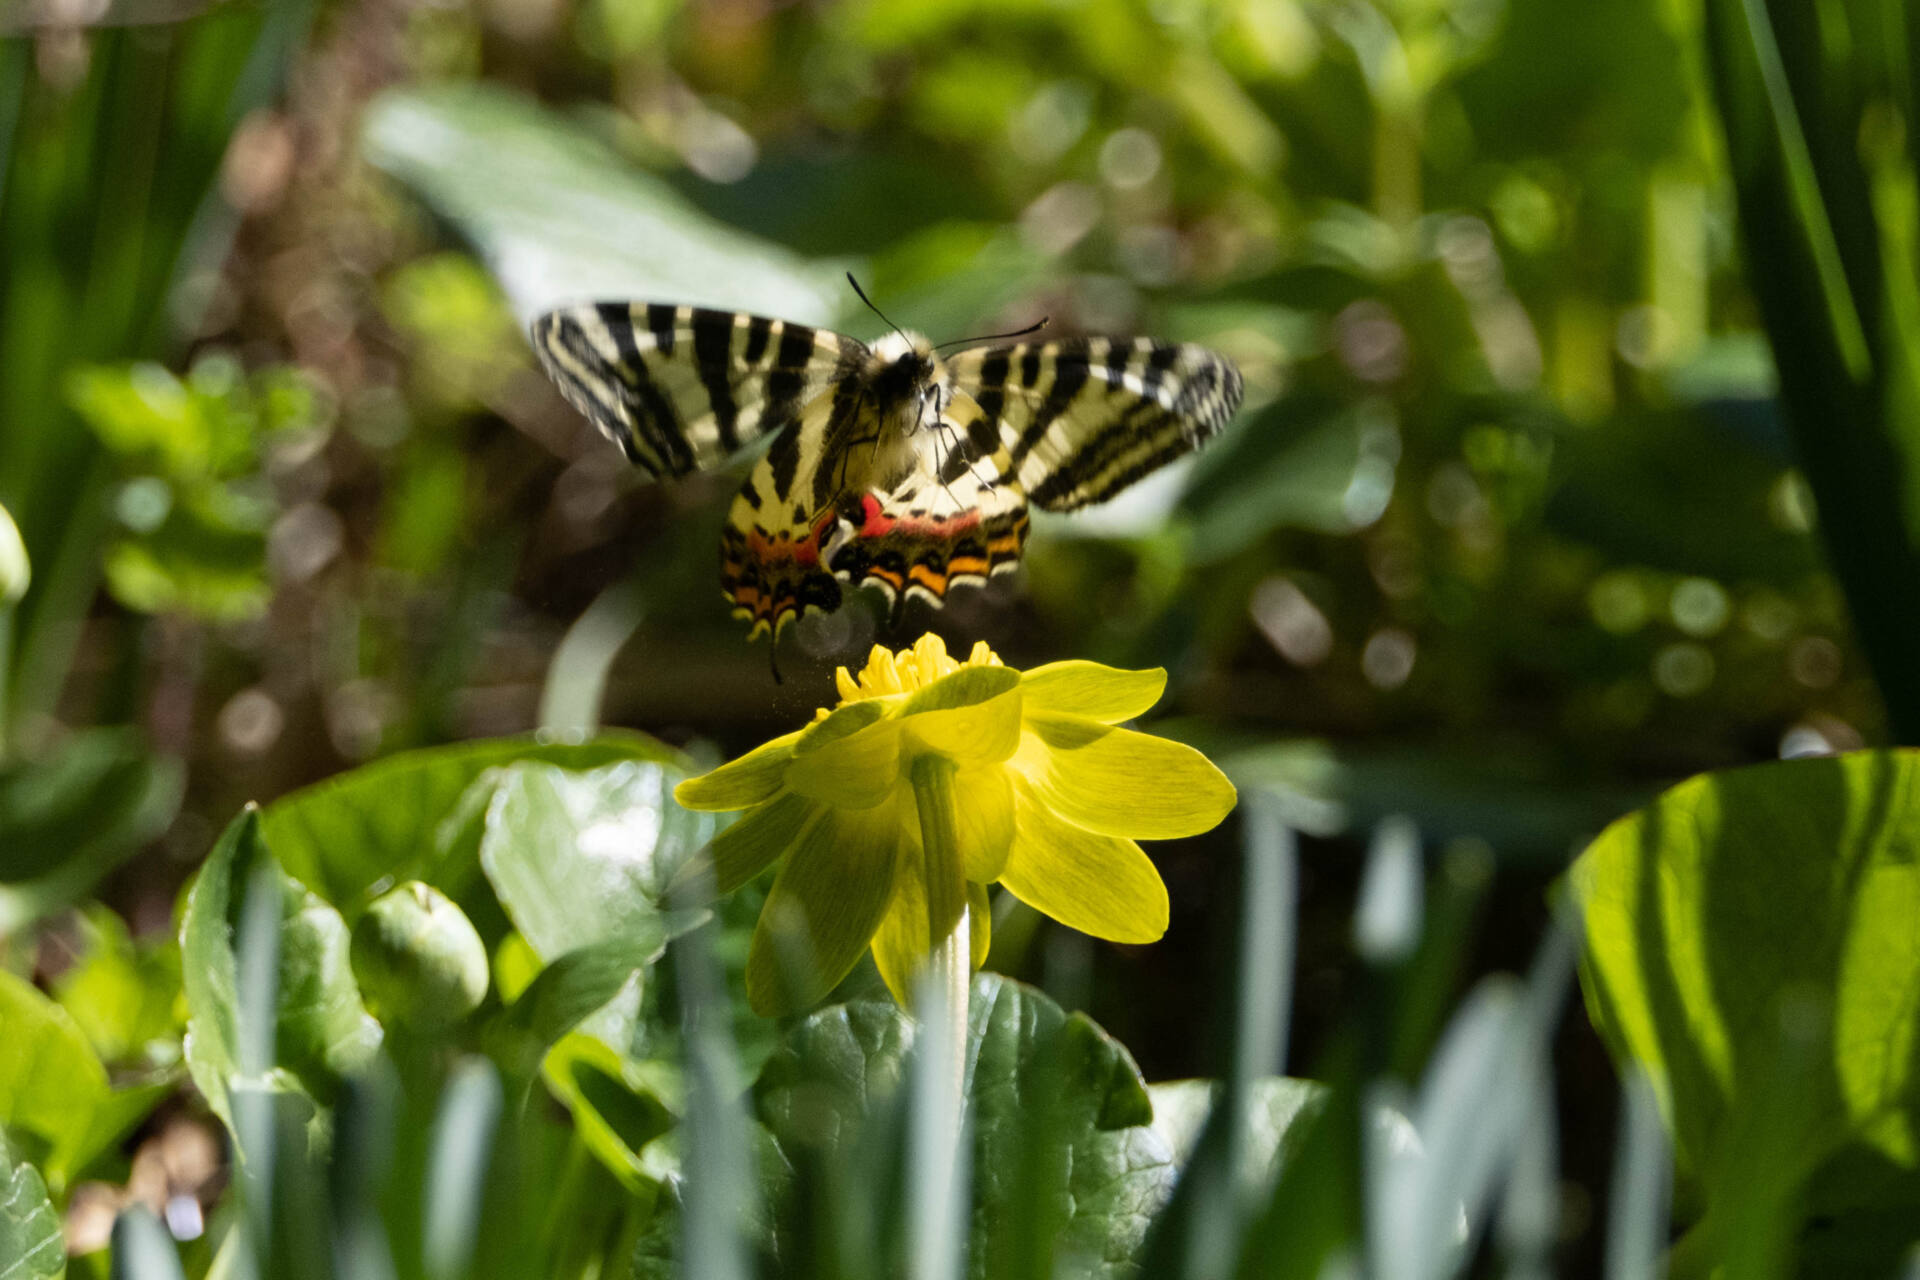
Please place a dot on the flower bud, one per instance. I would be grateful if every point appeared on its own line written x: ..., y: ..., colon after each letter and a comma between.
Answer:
x: 417, y: 957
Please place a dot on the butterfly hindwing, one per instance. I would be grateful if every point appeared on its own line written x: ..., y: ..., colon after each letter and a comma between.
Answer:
x: 681, y: 388
x: 926, y: 535
x: 1080, y: 420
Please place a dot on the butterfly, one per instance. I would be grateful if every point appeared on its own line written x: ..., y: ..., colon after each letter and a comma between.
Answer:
x: 890, y: 466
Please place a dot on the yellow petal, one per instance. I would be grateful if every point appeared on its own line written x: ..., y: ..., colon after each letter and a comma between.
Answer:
x: 750, y: 845
x: 742, y: 783
x: 984, y: 733
x: 843, y: 721
x: 1120, y: 783
x: 980, y: 921
x: 854, y: 771
x: 1097, y: 884
x: 1106, y: 694
x: 983, y: 818
x: 823, y: 908
x: 963, y: 688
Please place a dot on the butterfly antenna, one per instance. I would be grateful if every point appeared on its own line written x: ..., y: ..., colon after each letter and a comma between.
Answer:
x: 1035, y: 327
x: 869, y: 301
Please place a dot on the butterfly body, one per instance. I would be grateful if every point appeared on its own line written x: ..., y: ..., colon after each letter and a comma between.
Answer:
x: 890, y: 466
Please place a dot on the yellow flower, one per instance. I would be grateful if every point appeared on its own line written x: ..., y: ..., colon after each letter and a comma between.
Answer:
x: 934, y: 778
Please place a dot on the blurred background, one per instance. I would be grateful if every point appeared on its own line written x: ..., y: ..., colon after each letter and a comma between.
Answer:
x: 1506, y: 537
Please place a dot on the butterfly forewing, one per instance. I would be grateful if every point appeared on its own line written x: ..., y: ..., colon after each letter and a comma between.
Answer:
x: 1082, y: 419
x: 682, y: 389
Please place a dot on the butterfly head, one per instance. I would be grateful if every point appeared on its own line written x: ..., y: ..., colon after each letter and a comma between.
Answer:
x: 900, y: 372
x: 903, y: 348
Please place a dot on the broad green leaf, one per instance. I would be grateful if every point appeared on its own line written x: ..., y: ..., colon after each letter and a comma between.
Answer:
x: 405, y: 816
x: 1067, y: 1166
x: 559, y: 216
x: 68, y: 818
x: 31, y: 1246
x: 1758, y: 922
x: 579, y: 858
x: 321, y: 1030
x: 50, y: 1078
x: 1180, y: 1110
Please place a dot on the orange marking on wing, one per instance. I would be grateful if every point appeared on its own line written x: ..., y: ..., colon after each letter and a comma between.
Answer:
x: 934, y: 582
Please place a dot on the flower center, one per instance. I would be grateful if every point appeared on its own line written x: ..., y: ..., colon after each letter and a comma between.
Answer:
x: 888, y: 674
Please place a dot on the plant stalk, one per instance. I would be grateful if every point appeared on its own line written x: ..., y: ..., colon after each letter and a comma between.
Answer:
x: 941, y: 1007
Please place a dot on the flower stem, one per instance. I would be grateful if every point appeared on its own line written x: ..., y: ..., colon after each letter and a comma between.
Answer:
x: 941, y: 1005
x: 949, y: 932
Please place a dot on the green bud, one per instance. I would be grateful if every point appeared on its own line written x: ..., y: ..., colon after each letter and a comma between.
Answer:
x: 417, y: 957
x: 15, y: 573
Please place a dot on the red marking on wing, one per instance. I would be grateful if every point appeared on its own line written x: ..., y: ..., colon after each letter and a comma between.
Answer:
x: 876, y: 523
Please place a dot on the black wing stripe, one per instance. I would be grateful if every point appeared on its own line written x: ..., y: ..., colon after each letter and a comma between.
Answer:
x: 1070, y: 376
x: 847, y: 395
x: 788, y: 378
x: 660, y: 322
x: 759, y: 333
x: 712, y: 359
x: 653, y: 414
x: 582, y: 373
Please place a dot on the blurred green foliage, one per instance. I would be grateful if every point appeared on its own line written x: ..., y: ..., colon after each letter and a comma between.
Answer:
x: 1576, y: 459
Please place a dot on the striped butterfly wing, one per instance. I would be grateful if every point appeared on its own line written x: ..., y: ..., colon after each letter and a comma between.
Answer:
x: 682, y: 389
x: 1075, y: 422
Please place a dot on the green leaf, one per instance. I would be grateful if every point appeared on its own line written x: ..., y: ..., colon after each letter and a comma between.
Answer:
x: 31, y: 1246
x: 620, y: 1103
x: 122, y: 994
x: 560, y: 216
x: 408, y: 816
x: 321, y: 1031
x: 1819, y: 149
x: 50, y: 1078
x: 68, y: 818
x: 1180, y: 1110
x: 206, y: 555
x: 1066, y: 1164
x: 1750, y: 943
x: 581, y: 858
x: 575, y: 986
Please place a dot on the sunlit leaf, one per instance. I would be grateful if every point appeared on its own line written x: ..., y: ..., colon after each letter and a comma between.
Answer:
x: 50, y: 1078
x: 1750, y: 944
x: 559, y: 216
x: 579, y: 858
